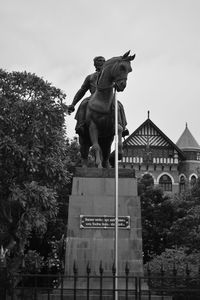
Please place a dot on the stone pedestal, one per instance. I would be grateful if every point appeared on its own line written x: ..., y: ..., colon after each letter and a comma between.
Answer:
x: 93, y: 194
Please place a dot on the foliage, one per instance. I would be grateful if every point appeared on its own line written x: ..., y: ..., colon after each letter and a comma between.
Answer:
x: 144, y: 183
x: 169, y: 222
x: 180, y: 255
x: 34, y: 178
x: 73, y: 153
x: 174, y: 261
x: 157, y: 217
x: 175, y: 271
x: 55, y: 257
x: 33, y: 262
x: 185, y: 230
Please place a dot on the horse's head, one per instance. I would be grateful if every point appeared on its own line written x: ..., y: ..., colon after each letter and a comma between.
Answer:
x: 119, y: 68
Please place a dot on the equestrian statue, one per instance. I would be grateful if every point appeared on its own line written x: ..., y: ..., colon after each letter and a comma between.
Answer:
x: 96, y: 113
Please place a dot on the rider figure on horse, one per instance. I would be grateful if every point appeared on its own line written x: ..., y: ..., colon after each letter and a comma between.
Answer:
x: 90, y: 84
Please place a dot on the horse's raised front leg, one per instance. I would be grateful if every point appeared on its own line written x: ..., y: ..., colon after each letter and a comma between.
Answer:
x: 95, y: 144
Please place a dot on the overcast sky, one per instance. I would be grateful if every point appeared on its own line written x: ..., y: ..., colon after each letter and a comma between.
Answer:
x: 58, y: 40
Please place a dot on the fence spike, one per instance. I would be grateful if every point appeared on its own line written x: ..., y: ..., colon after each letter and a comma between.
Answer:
x: 174, y: 269
x: 162, y: 271
x: 101, y: 268
x: 49, y: 264
x: 36, y: 264
x: 62, y: 267
x: 148, y: 269
x: 23, y: 263
x: 88, y: 268
x: 75, y: 269
x: 187, y: 270
x: 113, y: 268
x: 127, y: 269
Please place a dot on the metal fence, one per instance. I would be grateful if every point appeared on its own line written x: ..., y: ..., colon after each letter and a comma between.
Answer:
x: 102, y: 286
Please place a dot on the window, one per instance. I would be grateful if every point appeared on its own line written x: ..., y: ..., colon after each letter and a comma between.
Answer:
x: 171, y: 152
x: 165, y: 183
x: 182, y: 184
x: 193, y: 180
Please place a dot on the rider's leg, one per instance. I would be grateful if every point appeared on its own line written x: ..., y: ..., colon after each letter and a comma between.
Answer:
x: 120, y: 144
x: 84, y: 150
x: 122, y: 119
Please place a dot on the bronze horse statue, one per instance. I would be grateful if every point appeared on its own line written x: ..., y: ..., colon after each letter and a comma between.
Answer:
x: 99, y: 129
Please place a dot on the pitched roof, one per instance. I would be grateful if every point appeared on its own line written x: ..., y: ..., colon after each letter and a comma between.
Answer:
x: 149, y: 133
x: 187, y: 141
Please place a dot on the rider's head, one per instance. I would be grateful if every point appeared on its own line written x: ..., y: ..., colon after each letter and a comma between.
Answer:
x: 98, y: 62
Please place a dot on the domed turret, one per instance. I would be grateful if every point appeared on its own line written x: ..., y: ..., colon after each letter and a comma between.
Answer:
x: 188, y: 168
x: 187, y: 142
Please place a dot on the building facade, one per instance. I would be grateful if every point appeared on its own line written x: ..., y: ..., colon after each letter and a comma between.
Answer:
x: 173, y: 167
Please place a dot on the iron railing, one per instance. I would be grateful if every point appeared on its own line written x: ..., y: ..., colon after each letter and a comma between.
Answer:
x: 58, y: 286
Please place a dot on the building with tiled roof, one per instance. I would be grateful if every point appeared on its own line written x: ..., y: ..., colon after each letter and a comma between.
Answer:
x: 173, y: 167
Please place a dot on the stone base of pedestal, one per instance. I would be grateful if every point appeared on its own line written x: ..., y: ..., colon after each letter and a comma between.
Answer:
x: 93, y: 194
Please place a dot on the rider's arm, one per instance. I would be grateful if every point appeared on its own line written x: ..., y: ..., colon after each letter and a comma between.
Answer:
x: 81, y: 92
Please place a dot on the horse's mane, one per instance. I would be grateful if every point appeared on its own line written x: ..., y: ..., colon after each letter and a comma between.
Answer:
x: 113, y: 60
x: 116, y: 62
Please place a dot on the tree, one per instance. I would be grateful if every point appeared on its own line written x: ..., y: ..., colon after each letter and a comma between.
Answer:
x: 172, y: 260
x: 182, y: 245
x: 34, y: 177
x: 157, y: 217
x: 175, y: 273
x: 144, y: 183
x: 185, y: 230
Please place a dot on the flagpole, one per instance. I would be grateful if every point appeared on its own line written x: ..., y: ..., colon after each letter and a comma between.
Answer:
x: 116, y: 195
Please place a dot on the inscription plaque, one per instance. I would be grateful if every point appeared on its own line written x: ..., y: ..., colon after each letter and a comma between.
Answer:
x: 104, y: 222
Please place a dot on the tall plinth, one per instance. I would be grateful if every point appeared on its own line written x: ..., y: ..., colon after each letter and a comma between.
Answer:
x: 91, y: 230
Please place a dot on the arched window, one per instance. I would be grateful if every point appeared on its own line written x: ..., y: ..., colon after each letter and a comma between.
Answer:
x: 182, y: 184
x: 193, y: 180
x: 165, y: 183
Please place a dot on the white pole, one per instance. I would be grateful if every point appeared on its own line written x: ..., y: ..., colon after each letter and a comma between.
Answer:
x: 116, y: 196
